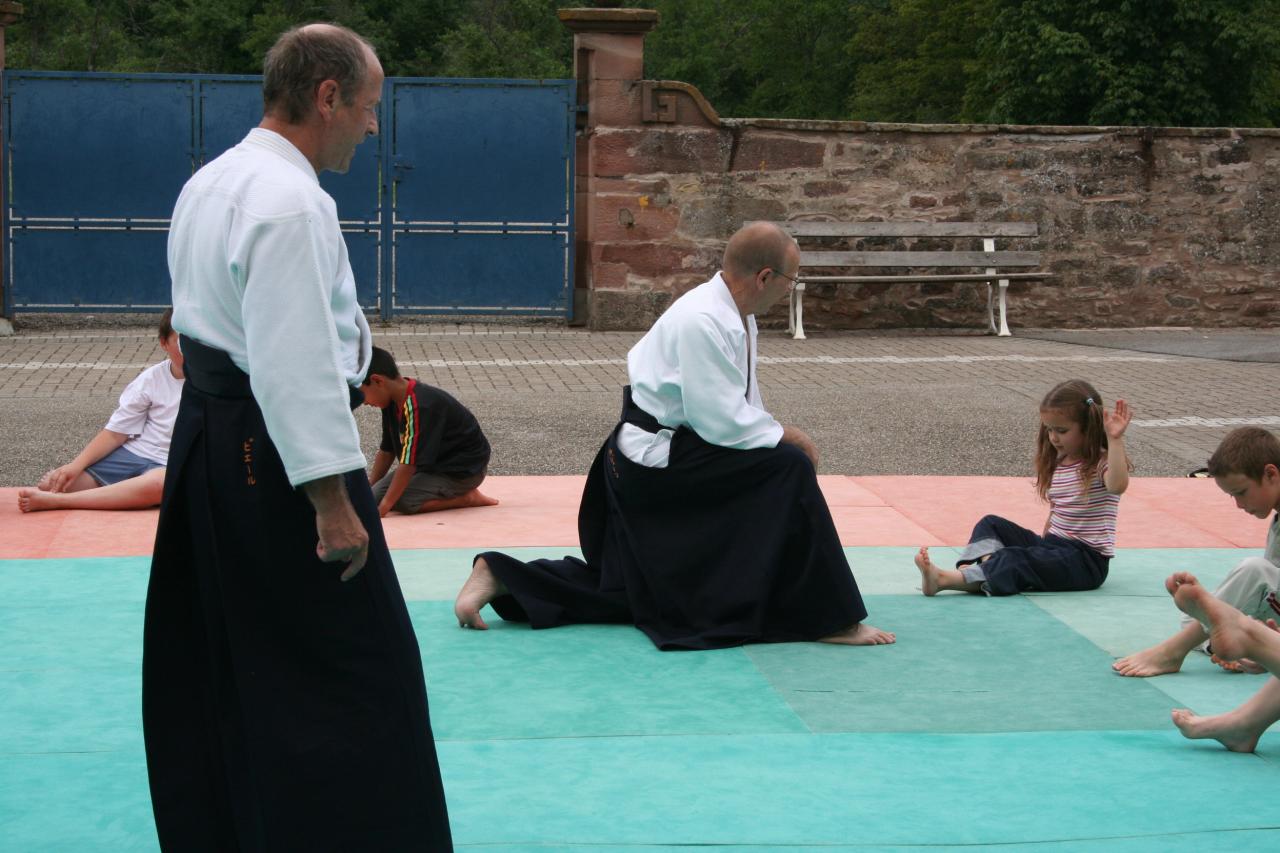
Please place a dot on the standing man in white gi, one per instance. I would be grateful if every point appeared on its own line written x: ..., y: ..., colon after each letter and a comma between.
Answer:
x: 702, y: 522
x: 284, y: 705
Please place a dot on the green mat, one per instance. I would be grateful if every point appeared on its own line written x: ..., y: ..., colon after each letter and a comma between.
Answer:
x: 992, y: 721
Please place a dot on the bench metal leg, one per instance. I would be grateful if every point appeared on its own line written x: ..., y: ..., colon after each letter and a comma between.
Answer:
x: 989, y: 245
x: 795, y: 317
x: 1004, y: 324
x: 991, y: 309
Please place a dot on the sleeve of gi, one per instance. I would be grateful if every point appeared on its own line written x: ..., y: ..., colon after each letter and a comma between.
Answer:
x: 292, y: 345
x: 714, y: 389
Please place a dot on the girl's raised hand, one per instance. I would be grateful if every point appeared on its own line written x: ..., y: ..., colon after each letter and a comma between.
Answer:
x: 1117, y: 421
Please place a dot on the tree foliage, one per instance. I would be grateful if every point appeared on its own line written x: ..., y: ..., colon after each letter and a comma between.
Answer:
x: 1150, y: 62
x: 1160, y: 62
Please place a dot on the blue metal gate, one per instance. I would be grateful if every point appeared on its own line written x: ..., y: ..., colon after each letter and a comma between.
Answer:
x: 473, y: 215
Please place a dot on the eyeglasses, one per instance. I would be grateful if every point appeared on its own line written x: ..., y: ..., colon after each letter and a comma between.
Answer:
x: 794, y: 281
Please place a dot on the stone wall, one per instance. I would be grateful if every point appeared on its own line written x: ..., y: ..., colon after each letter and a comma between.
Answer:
x: 1141, y: 227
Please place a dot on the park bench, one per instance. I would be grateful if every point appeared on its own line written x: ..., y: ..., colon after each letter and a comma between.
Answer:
x: 997, y: 269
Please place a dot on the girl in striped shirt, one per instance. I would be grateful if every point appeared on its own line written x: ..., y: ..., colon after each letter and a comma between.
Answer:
x: 1081, y: 470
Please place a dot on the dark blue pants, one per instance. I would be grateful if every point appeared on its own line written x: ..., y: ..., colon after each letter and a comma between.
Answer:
x: 1022, y: 561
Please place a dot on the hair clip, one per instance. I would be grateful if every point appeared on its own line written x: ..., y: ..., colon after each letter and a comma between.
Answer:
x: 1088, y: 401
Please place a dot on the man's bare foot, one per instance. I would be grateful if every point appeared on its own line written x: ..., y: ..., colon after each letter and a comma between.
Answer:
x: 1227, y: 729
x: 928, y: 573
x: 1157, y: 660
x: 34, y: 500
x: 861, y: 634
x: 480, y: 589
x: 1228, y: 627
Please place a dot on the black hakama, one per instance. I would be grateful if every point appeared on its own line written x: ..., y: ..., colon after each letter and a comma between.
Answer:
x: 282, y: 708
x: 720, y: 548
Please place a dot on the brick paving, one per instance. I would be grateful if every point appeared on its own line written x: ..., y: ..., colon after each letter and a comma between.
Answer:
x: 547, y: 394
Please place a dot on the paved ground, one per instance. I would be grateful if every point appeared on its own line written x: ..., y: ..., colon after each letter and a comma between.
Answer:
x: 874, y: 403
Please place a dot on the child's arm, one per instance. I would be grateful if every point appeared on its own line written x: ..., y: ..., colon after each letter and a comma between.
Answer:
x: 381, y: 465
x: 1116, y: 479
x: 98, y: 447
x: 399, y: 482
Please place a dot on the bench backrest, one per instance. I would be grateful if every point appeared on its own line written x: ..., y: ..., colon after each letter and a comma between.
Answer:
x: 819, y: 258
x: 911, y: 229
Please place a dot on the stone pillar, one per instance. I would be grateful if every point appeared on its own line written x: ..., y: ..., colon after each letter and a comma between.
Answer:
x: 10, y: 12
x: 608, y: 64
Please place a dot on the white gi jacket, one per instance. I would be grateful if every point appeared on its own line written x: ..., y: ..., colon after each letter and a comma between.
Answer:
x: 697, y: 368
x: 260, y: 270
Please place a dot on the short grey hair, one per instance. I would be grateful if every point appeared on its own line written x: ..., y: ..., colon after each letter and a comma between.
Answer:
x: 304, y: 57
x: 755, y: 246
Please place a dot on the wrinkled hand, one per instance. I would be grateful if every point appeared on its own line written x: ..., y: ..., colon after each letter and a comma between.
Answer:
x: 1114, y: 423
x: 59, y: 478
x: 342, y: 536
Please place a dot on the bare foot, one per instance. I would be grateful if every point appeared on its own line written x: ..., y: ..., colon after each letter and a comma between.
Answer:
x: 480, y: 589
x: 861, y: 634
x: 34, y: 500
x: 928, y: 573
x: 1157, y: 660
x: 1226, y: 729
x: 1228, y: 634
x: 472, y: 498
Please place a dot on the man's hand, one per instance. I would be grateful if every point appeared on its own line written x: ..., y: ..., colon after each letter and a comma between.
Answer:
x: 342, y: 536
x: 791, y: 435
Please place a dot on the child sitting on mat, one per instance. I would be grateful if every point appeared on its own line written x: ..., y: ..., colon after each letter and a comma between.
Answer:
x: 122, y: 467
x: 1081, y: 470
x: 1246, y: 466
x: 442, y: 453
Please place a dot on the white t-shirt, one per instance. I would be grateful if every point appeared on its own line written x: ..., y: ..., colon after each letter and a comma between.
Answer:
x: 696, y: 368
x: 147, y: 410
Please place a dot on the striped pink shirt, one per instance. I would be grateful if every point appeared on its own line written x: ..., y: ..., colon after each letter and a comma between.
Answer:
x: 1089, y: 517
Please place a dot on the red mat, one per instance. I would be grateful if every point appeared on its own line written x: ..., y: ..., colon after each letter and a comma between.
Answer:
x: 534, y: 511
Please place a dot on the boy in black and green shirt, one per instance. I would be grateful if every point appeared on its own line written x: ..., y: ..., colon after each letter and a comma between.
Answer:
x: 442, y: 452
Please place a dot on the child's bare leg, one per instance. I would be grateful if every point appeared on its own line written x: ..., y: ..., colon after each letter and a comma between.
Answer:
x: 139, y: 492
x: 472, y: 498
x: 1237, y: 730
x: 1165, y: 656
x: 1232, y: 634
x: 934, y: 578
x: 861, y: 634
x: 481, y: 588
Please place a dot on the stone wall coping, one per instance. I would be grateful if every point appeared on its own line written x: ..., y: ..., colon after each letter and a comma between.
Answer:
x: 10, y: 12
x: 1010, y: 129
x: 608, y: 20
x: 700, y: 100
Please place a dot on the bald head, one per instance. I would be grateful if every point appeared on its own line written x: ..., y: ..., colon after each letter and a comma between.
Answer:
x: 304, y: 57
x: 755, y: 246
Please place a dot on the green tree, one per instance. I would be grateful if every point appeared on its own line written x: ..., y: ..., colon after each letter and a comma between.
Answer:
x: 1148, y: 62
x: 772, y: 58
x: 75, y: 35
x: 508, y: 38
x: 915, y: 59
